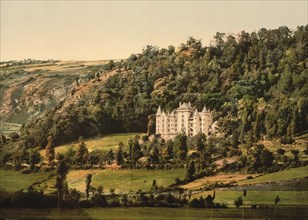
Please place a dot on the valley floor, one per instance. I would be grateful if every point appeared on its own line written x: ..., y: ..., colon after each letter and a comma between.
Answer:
x: 281, y: 213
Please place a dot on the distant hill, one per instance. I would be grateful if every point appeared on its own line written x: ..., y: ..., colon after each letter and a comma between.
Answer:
x: 29, y: 88
x: 255, y: 83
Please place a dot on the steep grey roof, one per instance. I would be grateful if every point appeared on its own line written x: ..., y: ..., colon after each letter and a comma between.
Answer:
x: 184, y: 106
x: 204, y: 109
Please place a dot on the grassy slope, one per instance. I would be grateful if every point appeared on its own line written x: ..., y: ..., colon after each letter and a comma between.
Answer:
x: 265, y: 197
x: 124, y: 180
x: 12, y: 181
x: 293, y: 173
x: 259, y: 198
x: 104, y: 143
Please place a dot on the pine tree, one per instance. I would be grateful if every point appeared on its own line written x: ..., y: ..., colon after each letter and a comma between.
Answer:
x: 82, y: 153
x: 50, y: 150
x: 119, y: 156
x: 181, y: 144
x: 88, y: 184
x: 61, y: 172
x: 191, y: 170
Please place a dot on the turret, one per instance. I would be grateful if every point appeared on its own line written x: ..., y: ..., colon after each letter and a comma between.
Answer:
x: 204, y: 109
x: 158, y: 111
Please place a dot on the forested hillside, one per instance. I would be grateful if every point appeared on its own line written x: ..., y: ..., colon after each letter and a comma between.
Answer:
x: 256, y: 84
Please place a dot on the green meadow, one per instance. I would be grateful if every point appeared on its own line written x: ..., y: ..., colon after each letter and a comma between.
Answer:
x: 124, y: 180
x: 12, y: 180
x: 104, y: 143
x: 293, y: 173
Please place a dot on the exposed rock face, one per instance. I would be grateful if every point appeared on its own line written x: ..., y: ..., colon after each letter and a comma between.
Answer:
x: 30, y: 90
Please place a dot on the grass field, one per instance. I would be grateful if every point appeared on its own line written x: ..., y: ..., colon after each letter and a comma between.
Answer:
x: 293, y: 173
x: 120, y: 180
x: 124, y: 180
x: 12, y: 181
x: 259, y: 197
x: 281, y: 213
x: 104, y: 143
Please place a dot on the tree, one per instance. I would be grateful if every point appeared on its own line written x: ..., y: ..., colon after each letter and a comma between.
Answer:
x: 295, y: 162
x: 209, y: 201
x: 277, y: 199
x: 169, y: 150
x: 191, y: 170
x: 98, y: 199
x: 88, y: 184
x: 267, y: 158
x: 14, y: 136
x: 50, y: 150
x: 61, y: 172
x: 34, y: 157
x: 281, y: 151
x: 119, y: 156
x: 2, y: 139
x: 73, y: 197
x: 201, y: 138
x: 238, y: 202
x: 110, y: 156
x: 134, y: 150
x: 154, y: 185
x: 82, y: 153
x: 151, y: 125
x: 181, y: 144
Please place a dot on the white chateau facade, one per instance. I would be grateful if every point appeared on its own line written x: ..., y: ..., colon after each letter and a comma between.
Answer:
x: 185, y: 118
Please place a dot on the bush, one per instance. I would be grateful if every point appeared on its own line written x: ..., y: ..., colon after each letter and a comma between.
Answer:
x: 286, y: 140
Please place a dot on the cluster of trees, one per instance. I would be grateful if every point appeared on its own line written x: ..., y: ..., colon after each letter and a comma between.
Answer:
x: 257, y: 159
x: 26, y: 61
x: 256, y: 83
x: 197, y: 154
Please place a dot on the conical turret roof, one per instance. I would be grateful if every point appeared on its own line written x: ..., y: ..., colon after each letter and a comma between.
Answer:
x: 158, y: 111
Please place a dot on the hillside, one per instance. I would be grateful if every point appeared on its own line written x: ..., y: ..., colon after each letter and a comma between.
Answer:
x: 31, y: 88
x: 255, y: 83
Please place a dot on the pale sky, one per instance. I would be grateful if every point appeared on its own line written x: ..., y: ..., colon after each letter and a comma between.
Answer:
x: 96, y: 30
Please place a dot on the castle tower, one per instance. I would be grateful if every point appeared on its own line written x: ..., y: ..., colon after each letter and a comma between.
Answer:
x: 158, y: 121
x: 196, y: 122
x: 185, y: 118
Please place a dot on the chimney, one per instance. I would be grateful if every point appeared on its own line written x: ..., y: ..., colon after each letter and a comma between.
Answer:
x: 180, y: 104
x: 189, y: 104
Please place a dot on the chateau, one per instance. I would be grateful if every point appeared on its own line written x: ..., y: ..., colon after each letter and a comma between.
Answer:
x: 185, y: 118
